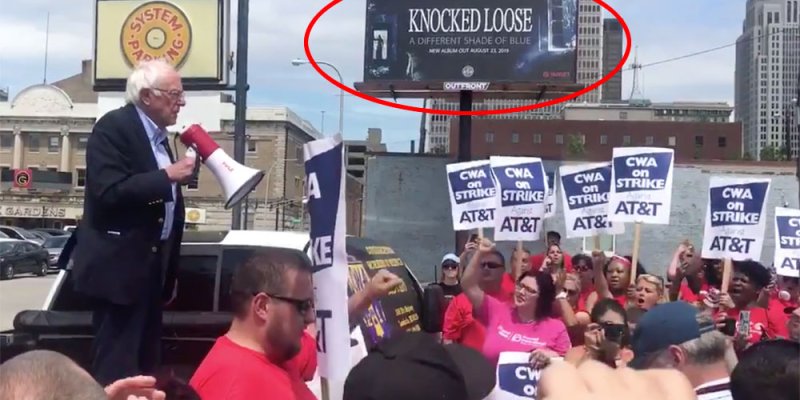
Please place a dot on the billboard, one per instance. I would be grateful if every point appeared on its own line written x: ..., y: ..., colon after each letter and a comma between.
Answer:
x: 192, y: 35
x: 472, y: 40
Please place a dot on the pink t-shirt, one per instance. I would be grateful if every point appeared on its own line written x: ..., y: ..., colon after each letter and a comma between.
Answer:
x: 504, y: 331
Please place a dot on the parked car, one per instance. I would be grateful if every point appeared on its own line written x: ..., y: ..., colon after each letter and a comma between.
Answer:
x: 54, y: 245
x: 39, y: 234
x: 201, y: 311
x: 51, y: 231
x: 20, y: 256
x: 69, y: 228
x: 15, y: 232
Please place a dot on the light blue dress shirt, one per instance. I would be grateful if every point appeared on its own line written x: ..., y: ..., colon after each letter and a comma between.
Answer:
x: 155, y: 135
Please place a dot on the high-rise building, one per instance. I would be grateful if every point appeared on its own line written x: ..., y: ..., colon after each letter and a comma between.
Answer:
x: 589, y: 70
x: 767, y: 67
x: 613, y: 44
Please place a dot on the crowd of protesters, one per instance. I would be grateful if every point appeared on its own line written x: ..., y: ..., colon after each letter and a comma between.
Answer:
x: 580, y: 319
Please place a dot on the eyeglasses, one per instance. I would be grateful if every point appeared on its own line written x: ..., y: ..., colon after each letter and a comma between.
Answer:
x: 449, y: 266
x: 492, y: 265
x: 173, y: 94
x: 302, y: 306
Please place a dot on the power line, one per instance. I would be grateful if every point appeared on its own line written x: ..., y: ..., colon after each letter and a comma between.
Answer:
x: 698, y: 53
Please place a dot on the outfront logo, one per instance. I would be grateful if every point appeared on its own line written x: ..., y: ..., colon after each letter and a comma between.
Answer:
x: 154, y: 30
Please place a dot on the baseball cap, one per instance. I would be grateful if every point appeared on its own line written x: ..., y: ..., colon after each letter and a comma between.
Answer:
x: 451, y: 257
x: 665, y: 325
x: 416, y: 366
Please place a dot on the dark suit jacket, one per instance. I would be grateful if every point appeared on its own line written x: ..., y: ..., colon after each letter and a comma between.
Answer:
x: 123, y: 212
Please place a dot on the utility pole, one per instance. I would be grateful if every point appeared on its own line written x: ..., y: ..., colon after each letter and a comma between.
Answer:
x: 240, y: 123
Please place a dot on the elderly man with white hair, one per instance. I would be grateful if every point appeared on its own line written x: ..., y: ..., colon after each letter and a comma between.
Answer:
x: 128, y: 241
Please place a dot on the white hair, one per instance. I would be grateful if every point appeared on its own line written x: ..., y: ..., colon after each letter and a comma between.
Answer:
x: 146, y: 75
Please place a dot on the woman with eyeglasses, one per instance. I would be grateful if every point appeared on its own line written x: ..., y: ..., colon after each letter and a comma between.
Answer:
x: 607, y: 337
x: 528, y: 324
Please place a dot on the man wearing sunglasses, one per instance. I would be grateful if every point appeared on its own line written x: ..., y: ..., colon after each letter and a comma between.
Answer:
x: 271, y: 297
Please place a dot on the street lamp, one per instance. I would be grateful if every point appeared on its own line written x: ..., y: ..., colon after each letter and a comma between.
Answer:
x: 266, y: 181
x: 298, y: 62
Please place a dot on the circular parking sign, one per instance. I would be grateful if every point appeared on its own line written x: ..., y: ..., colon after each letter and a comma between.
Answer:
x: 156, y: 29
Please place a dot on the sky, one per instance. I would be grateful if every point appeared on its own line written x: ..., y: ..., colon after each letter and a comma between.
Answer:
x: 660, y: 29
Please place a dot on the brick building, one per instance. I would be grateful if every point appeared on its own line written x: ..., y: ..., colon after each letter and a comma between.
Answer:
x: 44, y: 128
x: 595, y: 140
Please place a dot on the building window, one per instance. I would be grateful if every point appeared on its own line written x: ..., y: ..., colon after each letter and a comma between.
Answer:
x: 623, y: 115
x: 537, y: 138
x: 603, y: 139
x: 252, y: 146
x: 298, y: 153
x: 80, y: 177
x: 489, y: 137
x: 82, y: 140
x: 559, y: 139
x: 52, y: 169
x: 722, y: 141
x: 648, y: 140
x: 53, y: 144
x: 33, y: 143
x: 698, y: 140
x: 514, y: 137
x: 672, y: 141
x: 6, y: 141
x: 626, y: 140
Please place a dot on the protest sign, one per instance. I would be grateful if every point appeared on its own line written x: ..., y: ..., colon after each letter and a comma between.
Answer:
x: 516, y: 380
x: 325, y: 180
x: 552, y: 194
x: 520, y: 197
x: 472, y: 194
x: 787, y: 242
x: 735, y: 218
x: 585, y: 189
x: 642, y: 185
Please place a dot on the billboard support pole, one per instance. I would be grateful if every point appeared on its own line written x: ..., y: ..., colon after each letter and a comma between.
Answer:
x: 464, y: 141
x: 240, y: 112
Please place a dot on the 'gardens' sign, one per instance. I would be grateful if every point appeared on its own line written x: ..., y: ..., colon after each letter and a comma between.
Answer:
x: 39, y: 212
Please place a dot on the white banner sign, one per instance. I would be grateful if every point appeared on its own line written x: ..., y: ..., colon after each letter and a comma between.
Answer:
x: 325, y: 177
x: 642, y: 185
x: 787, y: 242
x: 552, y: 195
x: 520, y: 197
x: 472, y: 194
x: 584, y: 192
x: 516, y: 380
x: 735, y: 218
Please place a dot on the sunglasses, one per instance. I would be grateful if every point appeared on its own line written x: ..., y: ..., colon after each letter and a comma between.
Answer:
x: 449, y: 266
x: 302, y: 306
x: 492, y: 265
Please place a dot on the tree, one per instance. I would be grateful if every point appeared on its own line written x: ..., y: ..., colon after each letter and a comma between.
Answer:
x: 576, y: 147
x: 747, y: 156
x: 771, y: 153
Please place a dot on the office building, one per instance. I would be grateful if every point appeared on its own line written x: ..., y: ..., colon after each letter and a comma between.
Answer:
x: 355, y: 152
x: 613, y: 46
x: 644, y: 110
x: 767, y: 70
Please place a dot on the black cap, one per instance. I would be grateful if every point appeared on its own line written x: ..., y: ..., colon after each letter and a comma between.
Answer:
x: 416, y: 366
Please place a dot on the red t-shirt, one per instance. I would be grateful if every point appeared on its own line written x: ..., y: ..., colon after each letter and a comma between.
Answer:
x: 688, y: 296
x: 536, y: 260
x: 460, y: 324
x: 233, y: 372
x: 304, y: 363
x: 759, y: 323
x: 777, y: 315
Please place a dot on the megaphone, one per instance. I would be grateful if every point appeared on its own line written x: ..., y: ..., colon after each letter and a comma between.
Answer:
x: 237, y: 180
